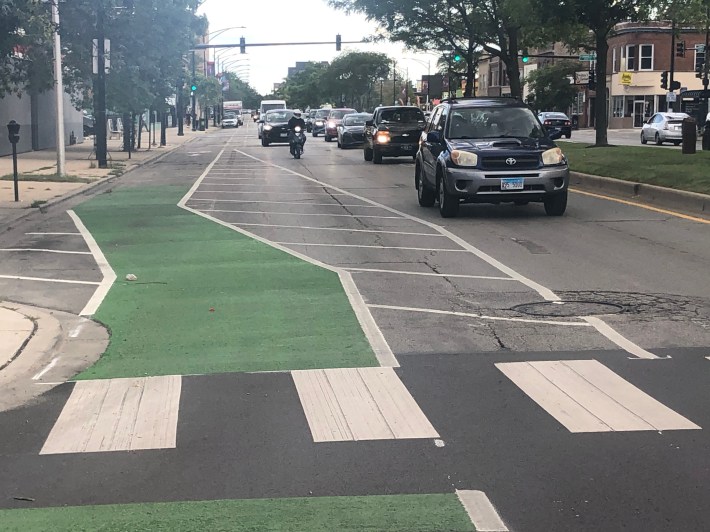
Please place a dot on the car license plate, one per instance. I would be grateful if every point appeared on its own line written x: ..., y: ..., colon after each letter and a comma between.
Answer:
x: 407, y: 147
x: 511, y: 183
x: 284, y: 134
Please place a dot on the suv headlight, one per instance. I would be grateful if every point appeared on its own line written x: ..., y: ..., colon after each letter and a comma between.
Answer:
x: 383, y: 137
x: 553, y: 156
x: 464, y: 158
x: 267, y: 127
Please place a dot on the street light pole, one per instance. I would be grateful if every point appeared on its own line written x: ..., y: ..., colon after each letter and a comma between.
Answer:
x: 194, y: 96
x: 394, y: 84
x: 59, y: 90
x: 100, y: 102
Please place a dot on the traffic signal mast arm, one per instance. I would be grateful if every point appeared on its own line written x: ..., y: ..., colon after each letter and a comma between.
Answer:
x: 245, y: 44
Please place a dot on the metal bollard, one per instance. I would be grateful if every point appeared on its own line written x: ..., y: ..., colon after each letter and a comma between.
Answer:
x: 690, y: 135
x: 13, y: 130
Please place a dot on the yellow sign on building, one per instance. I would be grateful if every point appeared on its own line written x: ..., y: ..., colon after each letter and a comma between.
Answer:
x: 626, y: 78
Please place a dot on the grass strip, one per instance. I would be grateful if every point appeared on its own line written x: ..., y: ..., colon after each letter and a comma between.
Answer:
x: 655, y: 166
x: 47, y: 178
x: 392, y: 513
x: 208, y: 299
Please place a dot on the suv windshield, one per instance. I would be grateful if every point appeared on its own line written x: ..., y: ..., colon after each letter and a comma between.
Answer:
x: 229, y: 114
x: 402, y: 115
x: 322, y: 113
x: 279, y: 116
x: 493, y: 122
x: 354, y: 121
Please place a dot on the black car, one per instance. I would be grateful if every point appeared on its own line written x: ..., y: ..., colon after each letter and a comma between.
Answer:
x: 489, y: 150
x: 318, y: 124
x: 351, y: 132
x: 393, y: 131
x: 557, y: 120
x: 275, y: 126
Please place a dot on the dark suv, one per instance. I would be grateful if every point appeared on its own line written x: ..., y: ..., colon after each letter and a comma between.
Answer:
x: 392, y: 132
x: 489, y: 150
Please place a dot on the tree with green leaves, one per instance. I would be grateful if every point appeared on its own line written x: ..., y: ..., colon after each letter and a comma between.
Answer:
x: 241, y: 90
x: 353, y: 75
x: 550, y: 88
x: 25, y: 47
x: 599, y: 17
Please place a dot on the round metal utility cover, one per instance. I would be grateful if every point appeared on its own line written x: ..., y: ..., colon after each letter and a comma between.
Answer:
x: 568, y: 308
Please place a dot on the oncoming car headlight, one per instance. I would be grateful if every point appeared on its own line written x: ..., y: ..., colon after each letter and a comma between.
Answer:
x: 319, y: 122
x: 553, y: 156
x: 331, y: 124
x: 464, y: 158
x: 267, y: 127
x: 383, y: 137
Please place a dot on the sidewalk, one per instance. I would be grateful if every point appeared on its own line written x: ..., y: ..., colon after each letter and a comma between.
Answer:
x: 39, y: 185
x: 15, y: 331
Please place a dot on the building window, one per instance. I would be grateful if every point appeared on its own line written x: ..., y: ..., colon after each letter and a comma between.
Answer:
x: 614, y: 63
x: 617, y: 106
x: 646, y: 57
x: 631, y: 57
x: 494, y: 75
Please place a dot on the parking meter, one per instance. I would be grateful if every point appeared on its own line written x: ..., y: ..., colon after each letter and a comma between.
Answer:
x: 13, y: 130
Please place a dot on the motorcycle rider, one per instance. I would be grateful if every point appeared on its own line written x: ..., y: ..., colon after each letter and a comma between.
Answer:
x: 295, y: 120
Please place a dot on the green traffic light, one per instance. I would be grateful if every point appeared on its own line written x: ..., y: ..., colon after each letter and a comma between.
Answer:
x: 457, y: 57
x: 193, y: 88
x: 526, y: 59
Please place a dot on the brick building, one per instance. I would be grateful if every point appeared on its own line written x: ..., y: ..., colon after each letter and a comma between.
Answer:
x: 638, y: 54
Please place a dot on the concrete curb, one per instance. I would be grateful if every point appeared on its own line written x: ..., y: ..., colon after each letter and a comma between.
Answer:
x: 668, y: 198
x: 26, y: 213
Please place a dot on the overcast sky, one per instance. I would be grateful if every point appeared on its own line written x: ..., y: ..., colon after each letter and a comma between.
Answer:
x: 294, y: 21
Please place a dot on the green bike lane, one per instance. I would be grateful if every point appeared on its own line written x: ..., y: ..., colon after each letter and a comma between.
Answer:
x: 209, y: 303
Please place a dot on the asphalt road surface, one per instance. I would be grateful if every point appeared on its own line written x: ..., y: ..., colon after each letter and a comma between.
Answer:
x: 562, y: 362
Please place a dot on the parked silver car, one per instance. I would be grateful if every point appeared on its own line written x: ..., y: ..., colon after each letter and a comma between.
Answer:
x: 664, y: 127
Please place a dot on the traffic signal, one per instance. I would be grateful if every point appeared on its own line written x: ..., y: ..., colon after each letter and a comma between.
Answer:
x: 456, y: 57
x: 193, y: 87
x: 338, y: 42
x: 699, y: 60
x: 242, y: 45
x: 592, y: 84
x: 525, y: 55
x: 680, y: 49
x: 664, y: 79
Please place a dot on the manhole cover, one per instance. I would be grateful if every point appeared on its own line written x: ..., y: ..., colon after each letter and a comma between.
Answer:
x: 568, y: 308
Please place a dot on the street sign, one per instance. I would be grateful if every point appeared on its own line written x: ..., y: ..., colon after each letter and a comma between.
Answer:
x: 700, y: 48
x: 671, y: 97
x: 588, y: 57
x: 581, y: 77
x: 626, y: 78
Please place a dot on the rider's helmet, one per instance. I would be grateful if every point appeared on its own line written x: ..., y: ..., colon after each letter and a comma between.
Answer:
x: 297, y: 113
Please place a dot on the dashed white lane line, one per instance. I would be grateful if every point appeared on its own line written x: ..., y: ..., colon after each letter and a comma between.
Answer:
x: 284, y: 226
x: 431, y: 274
x: 478, y: 316
x: 47, y: 251
x: 118, y: 415
x: 368, y: 247
x: 47, y: 280
x: 275, y: 193
x: 544, y: 292
x: 586, y: 396
x: 377, y: 341
x: 270, y: 213
x: 359, y: 404
x: 481, y: 511
x: 109, y: 275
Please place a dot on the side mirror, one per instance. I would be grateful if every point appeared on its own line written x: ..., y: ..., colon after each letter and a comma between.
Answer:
x: 433, y: 137
x: 260, y: 120
x: 554, y: 134
x: 370, y: 123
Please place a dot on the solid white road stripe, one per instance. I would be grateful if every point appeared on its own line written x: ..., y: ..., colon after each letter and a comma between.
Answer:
x: 49, y: 251
x: 379, y: 345
x: 58, y: 234
x: 307, y: 214
x: 586, y: 396
x: 336, y: 229
x: 481, y: 511
x: 365, y: 246
x: 117, y: 415
x: 626, y: 344
x: 431, y: 274
x: 46, y: 280
x: 359, y: 404
x: 478, y: 316
x: 109, y: 275
x: 49, y: 366
x: 288, y: 194
x: 544, y: 292
x: 286, y: 203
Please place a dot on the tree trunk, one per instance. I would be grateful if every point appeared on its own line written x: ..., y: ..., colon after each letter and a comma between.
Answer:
x: 140, y: 130
x: 470, y: 72
x: 511, y: 64
x: 601, y: 115
x: 127, y: 125
x: 163, y: 128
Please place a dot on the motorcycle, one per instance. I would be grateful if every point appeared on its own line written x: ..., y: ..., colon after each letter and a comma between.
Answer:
x: 297, y: 141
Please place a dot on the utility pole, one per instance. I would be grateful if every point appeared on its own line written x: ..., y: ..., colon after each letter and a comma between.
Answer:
x: 179, y: 109
x: 100, y: 101
x: 194, y: 96
x: 59, y: 90
x: 394, y: 84
x: 706, y: 66
x: 670, y: 74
